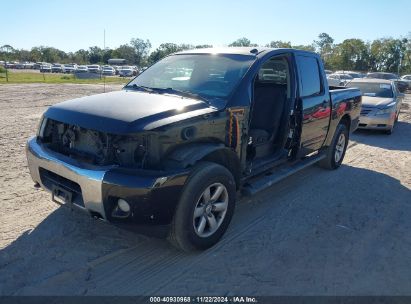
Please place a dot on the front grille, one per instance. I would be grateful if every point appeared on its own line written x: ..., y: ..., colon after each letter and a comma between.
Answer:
x: 365, y: 111
x: 50, y: 179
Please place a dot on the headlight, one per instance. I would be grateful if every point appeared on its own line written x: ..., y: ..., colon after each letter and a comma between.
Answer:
x: 389, y: 109
x: 41, y: 126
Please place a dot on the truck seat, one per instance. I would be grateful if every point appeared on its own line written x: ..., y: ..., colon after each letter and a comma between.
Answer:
x: 268, y: 108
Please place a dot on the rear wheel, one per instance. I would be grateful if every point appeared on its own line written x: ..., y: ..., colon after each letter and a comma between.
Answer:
x: 336, y: 151
x: 205, y: 208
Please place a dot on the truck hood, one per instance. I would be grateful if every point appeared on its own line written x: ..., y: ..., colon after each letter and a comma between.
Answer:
x: 378, y: 102
x: 127, y: 111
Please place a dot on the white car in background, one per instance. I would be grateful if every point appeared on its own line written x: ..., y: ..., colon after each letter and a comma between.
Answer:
x: 338, y: 79
x: 126, y: 71
x: 108, y: 70
x: 70, y: 68
x: 353, y: 74
x: 57, y: 68
x: 95, y: 68
x: 45, y: 68
x: 82, y: 69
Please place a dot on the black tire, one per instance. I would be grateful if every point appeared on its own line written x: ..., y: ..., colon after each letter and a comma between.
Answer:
x: 389, y: 131
x: 182, y: 232
x: 329, y: 162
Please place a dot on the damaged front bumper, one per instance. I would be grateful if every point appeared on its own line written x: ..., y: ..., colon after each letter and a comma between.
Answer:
x: 152, y: 195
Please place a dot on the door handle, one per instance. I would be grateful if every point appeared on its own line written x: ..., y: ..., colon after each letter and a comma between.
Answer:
x: 325, y: 104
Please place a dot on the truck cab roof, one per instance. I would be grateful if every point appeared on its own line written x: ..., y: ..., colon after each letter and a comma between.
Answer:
x: 251, y: 51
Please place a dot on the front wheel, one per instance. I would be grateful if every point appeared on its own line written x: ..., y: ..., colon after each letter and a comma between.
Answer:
x: 336, y: 151
x: 205, y: 208
x: 390, y: 130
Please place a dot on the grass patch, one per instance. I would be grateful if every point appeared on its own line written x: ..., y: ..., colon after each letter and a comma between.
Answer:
x: 22, y: 77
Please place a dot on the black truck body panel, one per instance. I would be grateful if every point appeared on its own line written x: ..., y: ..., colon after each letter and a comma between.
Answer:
x: 183, y: 131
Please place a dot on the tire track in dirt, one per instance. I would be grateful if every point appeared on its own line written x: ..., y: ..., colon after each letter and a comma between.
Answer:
x: 142, y: 273
x: 149, y: 264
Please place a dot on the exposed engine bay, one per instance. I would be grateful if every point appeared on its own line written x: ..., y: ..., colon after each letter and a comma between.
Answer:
x: 95, y: 147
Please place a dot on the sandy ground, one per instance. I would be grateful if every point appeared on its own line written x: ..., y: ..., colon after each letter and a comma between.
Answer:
x: 343, y: 232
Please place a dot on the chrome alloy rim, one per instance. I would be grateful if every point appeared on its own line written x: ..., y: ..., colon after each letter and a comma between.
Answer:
x: 339, y: 149
x: 210, y: 210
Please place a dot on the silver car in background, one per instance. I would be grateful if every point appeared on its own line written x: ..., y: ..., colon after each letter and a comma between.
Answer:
x: 381, y: 103
x: 407, y: 79
x: 338, y: 79
x: 353, y: 74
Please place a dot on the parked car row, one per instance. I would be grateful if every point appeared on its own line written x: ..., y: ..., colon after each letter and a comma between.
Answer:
x: 382, y: 93
x: 107, y: 70
x: 342, y: 78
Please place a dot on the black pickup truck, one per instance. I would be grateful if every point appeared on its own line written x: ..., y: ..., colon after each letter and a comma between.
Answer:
x: 178, y: 143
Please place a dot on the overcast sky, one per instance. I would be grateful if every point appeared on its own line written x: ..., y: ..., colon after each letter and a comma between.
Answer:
x: 74, y: 24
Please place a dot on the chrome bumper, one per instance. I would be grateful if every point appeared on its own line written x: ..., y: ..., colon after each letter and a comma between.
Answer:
x: 90, y: 180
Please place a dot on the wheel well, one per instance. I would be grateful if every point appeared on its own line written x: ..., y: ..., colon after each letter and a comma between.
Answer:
x: 346, y: 120
x: 227, y: 159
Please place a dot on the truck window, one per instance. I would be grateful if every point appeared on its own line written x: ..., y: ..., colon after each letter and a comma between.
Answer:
x: 209, y: 75
x: 309, y: 75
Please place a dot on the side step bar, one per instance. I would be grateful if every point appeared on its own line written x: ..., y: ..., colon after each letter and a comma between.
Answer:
x: 265, y: 181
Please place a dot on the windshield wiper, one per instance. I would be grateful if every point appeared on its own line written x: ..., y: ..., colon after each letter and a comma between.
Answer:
x: 169, y: 91
x: 143, y: 88
x: 181, y: 93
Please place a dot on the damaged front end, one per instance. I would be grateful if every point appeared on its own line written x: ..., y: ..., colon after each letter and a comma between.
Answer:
x: 95, y: 147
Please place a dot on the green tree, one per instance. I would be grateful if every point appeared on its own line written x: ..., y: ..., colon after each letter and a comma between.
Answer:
x: 166, y: 49
x: 35, y: 54
x: 7, y: 52
x: 141, y: 50
x: 324, y: 45
x: 95, y: 54
x: 278, y: 44
x: 81, y: 56
x: 309, y: 47
x: 107, y: 54
x: 351, y: 54
x: 50, y: 54
x: 203, y: 46
x: 386, y: 54
x: 242, y: 42
x: 127, y: 52
x: 406, y: 58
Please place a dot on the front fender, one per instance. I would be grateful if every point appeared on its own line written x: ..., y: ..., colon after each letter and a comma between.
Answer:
x: 187, y: 155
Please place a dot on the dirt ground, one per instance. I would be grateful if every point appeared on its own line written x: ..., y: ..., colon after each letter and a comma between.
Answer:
x: 343, y: 232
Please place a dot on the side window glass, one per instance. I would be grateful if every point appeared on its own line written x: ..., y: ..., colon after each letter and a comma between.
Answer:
x: 274, y: 70
x: 309, y: 75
